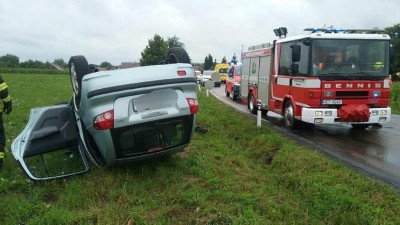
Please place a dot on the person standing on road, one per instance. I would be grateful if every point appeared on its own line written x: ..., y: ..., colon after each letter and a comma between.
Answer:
x: 7, y: 108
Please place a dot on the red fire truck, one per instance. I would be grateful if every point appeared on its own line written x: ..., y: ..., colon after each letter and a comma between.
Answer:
x: 323, y: 76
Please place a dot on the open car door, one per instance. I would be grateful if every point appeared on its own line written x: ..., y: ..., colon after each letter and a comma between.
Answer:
x: 49, y: 147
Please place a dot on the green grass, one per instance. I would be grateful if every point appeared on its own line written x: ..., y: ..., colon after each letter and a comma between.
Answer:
x: 234, y: 174
x: 395, y: 97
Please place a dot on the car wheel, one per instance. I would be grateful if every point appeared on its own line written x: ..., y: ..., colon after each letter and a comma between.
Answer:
x: 78, y: 67
x: 226, y: 92
x: 360, y: 126
x: 176, y: 55
x: 251, y: 106
x: 234, y: 96
x: 288, y: 116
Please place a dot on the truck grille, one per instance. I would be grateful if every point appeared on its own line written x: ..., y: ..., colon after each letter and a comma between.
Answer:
x: 352, y: 94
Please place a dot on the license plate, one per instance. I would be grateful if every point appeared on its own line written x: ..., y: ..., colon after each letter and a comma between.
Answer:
x: 332, y: 102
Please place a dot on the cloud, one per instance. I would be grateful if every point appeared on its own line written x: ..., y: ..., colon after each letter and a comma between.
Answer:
x: 117, y: 31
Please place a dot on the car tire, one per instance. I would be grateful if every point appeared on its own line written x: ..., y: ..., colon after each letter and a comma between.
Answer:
x: 250, y: 105
x: 234, y: 96
x: 78, y: 67
x: 288, y: 116
x: 177, y: 55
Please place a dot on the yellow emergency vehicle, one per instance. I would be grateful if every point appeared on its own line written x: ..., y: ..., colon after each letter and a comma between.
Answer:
x: 222, y: 70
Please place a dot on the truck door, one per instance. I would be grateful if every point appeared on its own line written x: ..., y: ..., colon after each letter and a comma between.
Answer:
x: 244, y: 82
x: 263, y: 80
x: 254, y: 69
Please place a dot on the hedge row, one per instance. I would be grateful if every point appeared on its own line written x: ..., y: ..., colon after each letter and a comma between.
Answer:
x: 33, y: 71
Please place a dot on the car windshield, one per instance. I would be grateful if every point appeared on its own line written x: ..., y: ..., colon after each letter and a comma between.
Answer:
x: 224, y: 70
x: 354, y: 59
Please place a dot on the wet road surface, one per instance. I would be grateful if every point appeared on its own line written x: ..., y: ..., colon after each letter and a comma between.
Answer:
x: 374, y: 151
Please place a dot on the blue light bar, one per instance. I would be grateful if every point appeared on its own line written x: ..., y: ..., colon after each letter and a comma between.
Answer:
x: 342, y: 30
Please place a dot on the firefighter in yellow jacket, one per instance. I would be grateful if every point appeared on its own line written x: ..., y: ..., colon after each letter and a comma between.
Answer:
x: 7, y: 108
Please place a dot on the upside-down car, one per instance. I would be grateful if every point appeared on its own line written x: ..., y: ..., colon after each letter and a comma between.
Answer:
x: 115, y: 116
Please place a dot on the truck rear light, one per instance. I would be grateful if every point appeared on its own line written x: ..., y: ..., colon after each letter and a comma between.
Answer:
x: 181, y: 73
x: 104, y: 121
x: 193, y: 105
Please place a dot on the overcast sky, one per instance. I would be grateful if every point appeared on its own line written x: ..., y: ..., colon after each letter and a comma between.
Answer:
x: 119, y: 30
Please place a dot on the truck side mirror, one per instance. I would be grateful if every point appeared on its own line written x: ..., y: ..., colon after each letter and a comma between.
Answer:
x: 296, y: 51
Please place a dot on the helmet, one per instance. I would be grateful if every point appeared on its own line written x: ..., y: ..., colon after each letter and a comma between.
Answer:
x: 378, y: 65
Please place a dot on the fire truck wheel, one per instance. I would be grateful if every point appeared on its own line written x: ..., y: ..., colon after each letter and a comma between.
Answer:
x: 288, y: 116
x: 251, y: 106
x: 360, y: 126
x: 226, y: 92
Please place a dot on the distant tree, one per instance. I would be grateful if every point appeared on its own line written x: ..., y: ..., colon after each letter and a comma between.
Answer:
x: 234, y: 60
x: 106, y: 65
x: 223, y: 60
x: 211, y: 61
x: 208, y: 62
x: 39, y: 64
x: 154, y: 52
x: 33, y: 64
x: 394, y: 33
x: 9, y: 60
x: 213, y: 64
x: 60, y: 62
x: 174, y: 42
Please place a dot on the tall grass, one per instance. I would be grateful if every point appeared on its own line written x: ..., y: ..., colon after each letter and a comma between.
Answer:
x: 233, y: 174
x: 395, y: 97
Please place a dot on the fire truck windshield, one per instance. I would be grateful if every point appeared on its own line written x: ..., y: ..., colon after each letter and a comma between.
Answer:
x: 354, y: 59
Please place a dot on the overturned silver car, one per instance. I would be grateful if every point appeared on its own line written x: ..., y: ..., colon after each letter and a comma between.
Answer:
x: 116, y: 116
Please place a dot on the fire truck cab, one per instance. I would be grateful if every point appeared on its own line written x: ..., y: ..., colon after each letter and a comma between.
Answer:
x: 324, y: 76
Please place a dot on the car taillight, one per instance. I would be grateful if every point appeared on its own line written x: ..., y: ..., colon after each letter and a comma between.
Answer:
x: 181, y: 73
x: 193, y: 105
x: 104, y: 121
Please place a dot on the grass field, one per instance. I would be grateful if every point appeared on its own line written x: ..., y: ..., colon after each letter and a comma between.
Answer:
x: 233, y: 174
x: 395, y: 98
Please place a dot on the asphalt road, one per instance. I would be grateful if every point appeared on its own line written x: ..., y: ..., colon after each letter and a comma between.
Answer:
x: 374, y: 151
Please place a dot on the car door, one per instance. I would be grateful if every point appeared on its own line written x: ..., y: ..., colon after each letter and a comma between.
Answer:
x: 49, y: 147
